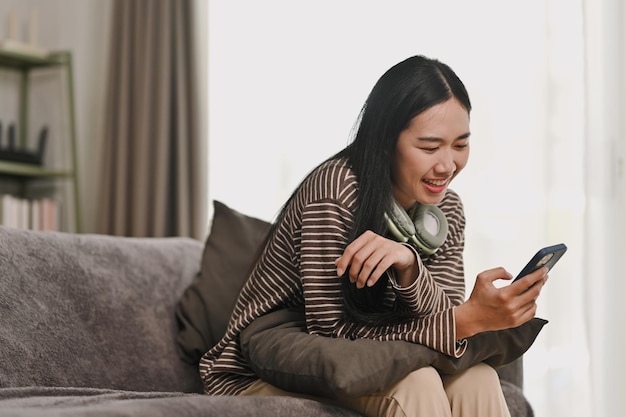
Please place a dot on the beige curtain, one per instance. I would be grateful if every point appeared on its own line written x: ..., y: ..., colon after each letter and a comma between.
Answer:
x: 152, y: 180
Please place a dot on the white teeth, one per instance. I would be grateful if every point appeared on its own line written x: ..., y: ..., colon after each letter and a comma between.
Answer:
x: 438, y: 183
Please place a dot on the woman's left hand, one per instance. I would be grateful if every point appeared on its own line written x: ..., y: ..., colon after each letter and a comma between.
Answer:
x: 370, y: 255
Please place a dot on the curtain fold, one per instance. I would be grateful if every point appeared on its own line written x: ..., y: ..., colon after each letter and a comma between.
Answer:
x: 152, y: 181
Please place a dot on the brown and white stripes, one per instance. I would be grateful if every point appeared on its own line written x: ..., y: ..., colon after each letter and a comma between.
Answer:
x: 297, y: 269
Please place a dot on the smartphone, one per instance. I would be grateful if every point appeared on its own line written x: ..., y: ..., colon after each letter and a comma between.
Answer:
x: 547, y: 256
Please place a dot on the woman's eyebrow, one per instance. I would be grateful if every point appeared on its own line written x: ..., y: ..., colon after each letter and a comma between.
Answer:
x: 435, y: 139
x: 429, y: 139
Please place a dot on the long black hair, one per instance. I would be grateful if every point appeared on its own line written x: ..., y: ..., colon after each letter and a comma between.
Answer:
x: 401, y: 93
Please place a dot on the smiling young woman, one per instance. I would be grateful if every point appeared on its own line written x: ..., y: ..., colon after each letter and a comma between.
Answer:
x: 332, y: 253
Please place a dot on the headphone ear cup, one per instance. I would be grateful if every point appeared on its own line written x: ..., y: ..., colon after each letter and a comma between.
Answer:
x: 424, y: 226
x: 400, y: 224
x: 431, y: 226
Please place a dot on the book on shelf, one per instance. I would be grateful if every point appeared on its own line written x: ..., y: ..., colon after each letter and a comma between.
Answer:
x: 36, y: 214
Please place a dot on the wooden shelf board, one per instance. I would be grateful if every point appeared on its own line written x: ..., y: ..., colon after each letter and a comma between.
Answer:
x: 27, y: 170
x: 19, y: 59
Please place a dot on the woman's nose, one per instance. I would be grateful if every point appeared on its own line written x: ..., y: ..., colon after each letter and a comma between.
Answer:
x: 446, y: 164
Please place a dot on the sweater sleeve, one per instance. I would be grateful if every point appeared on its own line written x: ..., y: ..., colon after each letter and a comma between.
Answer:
x: 434, y: 325
x: 438, y: 288
x: 324, y: 234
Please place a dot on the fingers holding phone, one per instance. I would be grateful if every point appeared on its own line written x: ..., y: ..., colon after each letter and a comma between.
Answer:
x: 527, y: 290
x: 491, y: 308
x: 535, y: 279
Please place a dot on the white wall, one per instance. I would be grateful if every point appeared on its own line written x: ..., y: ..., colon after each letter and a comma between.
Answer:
x: 81, y: 26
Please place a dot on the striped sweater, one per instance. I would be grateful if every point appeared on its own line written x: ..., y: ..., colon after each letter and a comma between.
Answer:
x: 297, y: 269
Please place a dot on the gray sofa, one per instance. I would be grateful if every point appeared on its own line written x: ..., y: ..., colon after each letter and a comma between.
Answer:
x: 88, y: 327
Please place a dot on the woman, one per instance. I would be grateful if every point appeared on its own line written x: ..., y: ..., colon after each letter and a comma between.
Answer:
x: 332, y: 252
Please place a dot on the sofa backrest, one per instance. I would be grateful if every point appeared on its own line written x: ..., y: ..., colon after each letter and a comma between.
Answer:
x: 93, y: 310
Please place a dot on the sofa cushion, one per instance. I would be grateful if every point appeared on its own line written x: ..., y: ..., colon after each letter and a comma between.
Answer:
x: 205, y: 307
x: 90, y: 402
x: 93, y: 311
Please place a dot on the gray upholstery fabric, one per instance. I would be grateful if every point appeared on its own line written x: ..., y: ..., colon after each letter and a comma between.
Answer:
x: 513, y: 372
x: 75, y: 402
x: 515, y: 400
x: 93, y: 311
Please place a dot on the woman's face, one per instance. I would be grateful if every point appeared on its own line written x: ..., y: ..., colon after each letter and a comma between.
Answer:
x: 430, y: 153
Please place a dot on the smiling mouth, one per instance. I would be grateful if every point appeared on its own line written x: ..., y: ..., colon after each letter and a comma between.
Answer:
x: 436, y: 186
x: 437, y: 183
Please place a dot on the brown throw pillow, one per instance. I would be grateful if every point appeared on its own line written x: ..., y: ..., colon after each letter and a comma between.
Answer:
x: 205, y: 307
x: 280, y: 352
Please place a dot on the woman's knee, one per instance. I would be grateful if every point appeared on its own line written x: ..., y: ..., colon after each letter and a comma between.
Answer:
x: 424, y: 380
x: 480, y: 377
x: 420, y: 393
x: 476, y: 391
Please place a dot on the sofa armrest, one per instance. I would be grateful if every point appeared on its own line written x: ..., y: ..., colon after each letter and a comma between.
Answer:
x: 513, y: 372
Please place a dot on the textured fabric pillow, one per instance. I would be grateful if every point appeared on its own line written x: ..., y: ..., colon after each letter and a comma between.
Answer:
x: 205, y: 307
x: 280, y: 352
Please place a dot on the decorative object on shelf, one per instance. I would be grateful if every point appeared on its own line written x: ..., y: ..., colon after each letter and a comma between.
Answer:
x: 30, y: 47
x: 12, y: 153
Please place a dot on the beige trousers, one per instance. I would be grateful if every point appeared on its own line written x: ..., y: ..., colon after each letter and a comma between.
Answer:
x: 422, y: 393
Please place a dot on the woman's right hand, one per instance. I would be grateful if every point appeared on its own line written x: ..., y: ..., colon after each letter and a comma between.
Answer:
x: 370, y: 255
x: 492, y: 308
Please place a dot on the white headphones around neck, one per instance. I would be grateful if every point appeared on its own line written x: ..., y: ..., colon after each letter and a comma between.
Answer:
x: 424, y: 226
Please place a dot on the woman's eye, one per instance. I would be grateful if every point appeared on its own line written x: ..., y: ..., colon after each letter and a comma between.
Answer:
x: 429, y: 149
x: 463, y: 146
